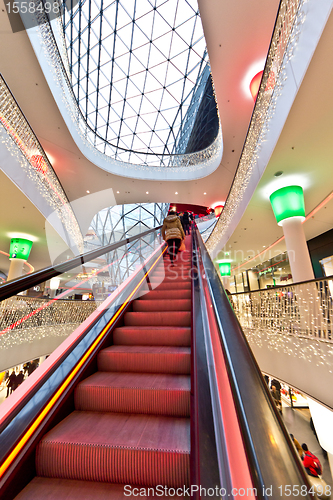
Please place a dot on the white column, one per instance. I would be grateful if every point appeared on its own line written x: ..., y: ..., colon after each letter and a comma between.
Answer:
x: 323, y: 421
x: 54, y: 285
x: 226, y: 282
x: 15, y: 269
x: 298, y: 252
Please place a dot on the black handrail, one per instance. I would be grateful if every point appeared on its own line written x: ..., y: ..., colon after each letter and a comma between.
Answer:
x: 22, y: 283
x: 273, y: 460
x: 315, y: 280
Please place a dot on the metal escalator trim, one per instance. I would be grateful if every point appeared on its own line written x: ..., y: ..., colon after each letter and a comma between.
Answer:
x: 228, y: 425
x: 28, y: 434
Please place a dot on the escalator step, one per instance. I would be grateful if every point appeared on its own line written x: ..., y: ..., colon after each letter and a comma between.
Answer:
x: 167, y: 294
x: 156, y: 335
x: 165, y: 318
x: 135, y: 393
x: 173, y: 272
x: 162, y: 305
x: 170, y: 285
x: 145, y: 359
x: 117, y: 447
x: 46, y: 488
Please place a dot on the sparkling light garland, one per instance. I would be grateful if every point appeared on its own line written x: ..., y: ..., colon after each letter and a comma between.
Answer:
x: 290, y: 18
x: 22, y: 143
x: 295, y: 319
x: 57, y: 318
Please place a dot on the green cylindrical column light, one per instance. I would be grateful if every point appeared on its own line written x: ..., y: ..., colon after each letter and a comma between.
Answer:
x: 19, y: 252
x: 289, y: 210
x: 19, y: 248
x: 225, y: 268
x: 288, y: 202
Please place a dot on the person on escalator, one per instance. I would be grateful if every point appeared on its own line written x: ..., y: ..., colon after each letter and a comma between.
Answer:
x: 173, y: 234
x: 311, y: 463
x: 186, y: 222
x: 297, y: 446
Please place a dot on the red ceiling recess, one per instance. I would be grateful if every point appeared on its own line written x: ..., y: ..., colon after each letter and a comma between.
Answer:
x: 218, y: 209
x: 187, y: 207
x: 255, y: 84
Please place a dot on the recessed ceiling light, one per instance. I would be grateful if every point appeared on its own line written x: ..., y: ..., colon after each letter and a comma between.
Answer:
x: 50, y: 157
x: 147, y: 192
x: 87, y: 191
x: 176, y: 192
x: 205, y: 193
x: 117, y: 192
x: 22, y: 235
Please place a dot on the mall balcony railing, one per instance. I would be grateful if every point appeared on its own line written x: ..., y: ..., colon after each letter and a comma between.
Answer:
x: 303, y: 309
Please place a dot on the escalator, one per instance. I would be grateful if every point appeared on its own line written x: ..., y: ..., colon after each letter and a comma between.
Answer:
x: 131, y: 420
x: 155, y: 391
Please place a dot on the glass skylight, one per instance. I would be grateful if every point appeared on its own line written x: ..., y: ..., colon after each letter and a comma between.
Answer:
x: 138, y: 68
x: 122, y: 221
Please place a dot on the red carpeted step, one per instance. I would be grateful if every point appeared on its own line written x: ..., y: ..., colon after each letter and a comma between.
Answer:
x: 172, y: 279
x: 157, y: 335
x: 171, y: 286
x: 145, y: 359
x: 175, y: 275
x: 165, y: 318
x: 167, y: 294
x: 173, y: 269
x: 162, y: 305
x: 117, y: 448
x: 46, y: 488
x: 157, y: 394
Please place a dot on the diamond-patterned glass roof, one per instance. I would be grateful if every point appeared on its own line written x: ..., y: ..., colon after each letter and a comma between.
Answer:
x: 121, y: 221
x: 136, y: 66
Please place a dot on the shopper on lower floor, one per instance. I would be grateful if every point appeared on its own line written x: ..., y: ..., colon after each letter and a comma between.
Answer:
x: 297, y: 446
x: 277, y: 398
x: 173, y: 234
x: 311, y: 463
x: 11, y: 383
x: 19, y: 378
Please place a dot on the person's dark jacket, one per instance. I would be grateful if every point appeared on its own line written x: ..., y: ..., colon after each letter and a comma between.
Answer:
x: 11, y: 381
x: 186, y: 218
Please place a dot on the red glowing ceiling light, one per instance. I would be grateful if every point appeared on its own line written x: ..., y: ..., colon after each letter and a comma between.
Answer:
x: 39, y: 163
x: 255, y: 84
x: 218, y: 209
